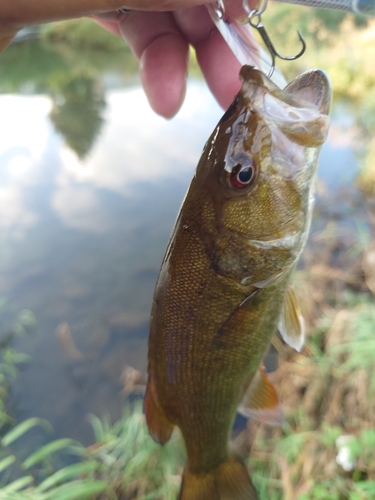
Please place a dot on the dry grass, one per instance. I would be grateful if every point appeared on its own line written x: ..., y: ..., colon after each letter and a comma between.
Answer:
x: 327, y: 390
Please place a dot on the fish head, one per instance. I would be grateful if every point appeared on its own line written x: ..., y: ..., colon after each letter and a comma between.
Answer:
x: 256, y: 175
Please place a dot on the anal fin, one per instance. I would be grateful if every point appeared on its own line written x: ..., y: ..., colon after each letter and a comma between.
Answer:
x: 291, y: 323
x: 159, y: 426
x: 261, y: 402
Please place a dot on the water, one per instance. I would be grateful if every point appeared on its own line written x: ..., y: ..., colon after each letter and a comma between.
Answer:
x: 91, y: 183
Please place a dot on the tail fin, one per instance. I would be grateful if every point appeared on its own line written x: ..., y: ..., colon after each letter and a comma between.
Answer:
x: 229, y: 481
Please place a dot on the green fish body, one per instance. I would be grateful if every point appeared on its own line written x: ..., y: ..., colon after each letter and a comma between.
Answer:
x: 224, y: 285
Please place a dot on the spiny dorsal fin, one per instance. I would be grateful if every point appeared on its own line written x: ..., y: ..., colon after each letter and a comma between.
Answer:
x: 291, y: 323
x: 261, y: 402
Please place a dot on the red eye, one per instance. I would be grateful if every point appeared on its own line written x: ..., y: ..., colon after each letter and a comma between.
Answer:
x: 241, y: 176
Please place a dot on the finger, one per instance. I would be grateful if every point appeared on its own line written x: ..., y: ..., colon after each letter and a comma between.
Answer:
x: 163, y: 53
x: 219, y: 66
x: 23, y: 12
x: 234, y: 8
x: 7, y: 34
x: 163, y: 72
x: 111, y: 26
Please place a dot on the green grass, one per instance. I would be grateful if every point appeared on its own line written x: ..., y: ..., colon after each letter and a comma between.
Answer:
x: 123, y: 463
x: 327, y: 390
x: 295, y: 463
x: 83, y: 34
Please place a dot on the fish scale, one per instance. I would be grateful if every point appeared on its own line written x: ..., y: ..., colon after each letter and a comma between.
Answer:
x: 224, y: 284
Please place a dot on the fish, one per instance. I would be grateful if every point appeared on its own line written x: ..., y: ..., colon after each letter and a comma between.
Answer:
x: 224, y: 286
x: 239, y: 36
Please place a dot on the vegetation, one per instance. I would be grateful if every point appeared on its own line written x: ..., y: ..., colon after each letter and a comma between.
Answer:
x: 124, y: 463
x: 82, y: 34
x: 324, y: 451
x: 326, y: 448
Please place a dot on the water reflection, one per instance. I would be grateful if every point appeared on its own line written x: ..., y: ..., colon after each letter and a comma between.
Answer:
x: 83, y: 239
x: 77, y: 111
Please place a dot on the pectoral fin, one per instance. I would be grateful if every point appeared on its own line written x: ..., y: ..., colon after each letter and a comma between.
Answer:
x: 230, y: 334
x: 291, y: 324
x: 158, y: 424
x: 261, y: 402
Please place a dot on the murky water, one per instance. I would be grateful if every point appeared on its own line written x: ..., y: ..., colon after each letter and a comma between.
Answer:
x: 91, y: 182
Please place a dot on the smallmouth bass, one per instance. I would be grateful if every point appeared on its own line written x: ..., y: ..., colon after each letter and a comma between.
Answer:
x: 224, y: 285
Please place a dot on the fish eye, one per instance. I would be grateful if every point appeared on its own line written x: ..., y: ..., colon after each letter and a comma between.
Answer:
x: 242, y: 175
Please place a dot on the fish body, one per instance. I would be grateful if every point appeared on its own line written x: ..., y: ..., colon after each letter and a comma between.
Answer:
x: 225, y: 277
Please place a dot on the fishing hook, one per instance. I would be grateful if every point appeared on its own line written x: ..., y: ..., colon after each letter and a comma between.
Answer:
x: 254, y: 18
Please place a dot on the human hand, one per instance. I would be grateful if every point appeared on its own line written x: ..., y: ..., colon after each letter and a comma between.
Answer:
x: 158, y: 32
x: 160, y: 40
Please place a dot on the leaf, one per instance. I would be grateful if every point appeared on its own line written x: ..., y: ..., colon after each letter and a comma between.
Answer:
x: 329, y: 434
x: 20, y: 357
x: 366, y: 486
x: 76, y: 449
x: 18, y: 484
x: 45, y: 451
x: 6, y: 462
x: 71, y: 471
x: 8, y: 370
x: 23, y: 427
x: 26, y: 318
x: 97, y: 427
x: 76, y: 490
x: 355, y: 448
x: 17, y: 495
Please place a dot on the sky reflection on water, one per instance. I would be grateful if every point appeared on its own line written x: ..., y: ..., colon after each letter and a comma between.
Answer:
x: 83, y: 238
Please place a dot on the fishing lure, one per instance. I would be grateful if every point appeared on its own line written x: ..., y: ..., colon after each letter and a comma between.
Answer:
x: 240, y: 40
x: 366, y: 7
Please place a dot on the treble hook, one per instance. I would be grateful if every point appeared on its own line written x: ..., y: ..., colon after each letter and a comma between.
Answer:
x: 258, y: 25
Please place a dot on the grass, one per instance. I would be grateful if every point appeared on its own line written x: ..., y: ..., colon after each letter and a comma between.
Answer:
x: 326, y: 449
x: 327, y: 391
x: 124, y: 463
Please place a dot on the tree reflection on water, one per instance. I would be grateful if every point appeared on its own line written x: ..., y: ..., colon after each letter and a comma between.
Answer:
x: 77, y: 111
x: 75, y: 84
